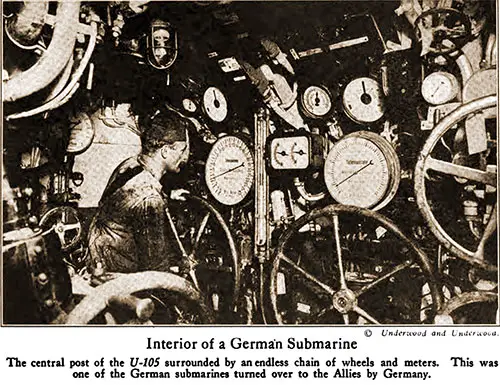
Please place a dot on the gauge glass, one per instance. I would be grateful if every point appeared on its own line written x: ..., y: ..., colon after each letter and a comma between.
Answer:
x: 215, y: 104
x: 229, y: 170
x: 316, y: 101
x: 362, y: 170
x: 189, y: 105
x: 440, y: 87
x: 363, y: 100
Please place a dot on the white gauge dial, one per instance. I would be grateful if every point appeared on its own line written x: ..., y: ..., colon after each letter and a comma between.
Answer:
x: 363, y: 100
x: 215, y: 104
x: 82, y: 133
x: 440, y: 87
x: 229, y: 170
x: 362, y: 169
x: 316, y: 101
x: 189, y: 105
x: 290, y: 153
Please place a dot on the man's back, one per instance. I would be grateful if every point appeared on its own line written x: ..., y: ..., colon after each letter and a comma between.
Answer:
x: 129, y: 232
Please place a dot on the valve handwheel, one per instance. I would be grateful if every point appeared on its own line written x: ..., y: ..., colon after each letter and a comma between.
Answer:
x: 98, y: 299
x: 208, y: 253
x: 365, y: 275
x: 427, y: 161
x: 66, y: 224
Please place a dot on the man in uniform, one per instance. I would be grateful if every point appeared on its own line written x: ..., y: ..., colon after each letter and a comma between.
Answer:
x: 130, y: 231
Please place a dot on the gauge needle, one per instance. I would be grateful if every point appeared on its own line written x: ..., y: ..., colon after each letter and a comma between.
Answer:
x: 354, y: 173
x: 216, y: 102
x: 231, y: 169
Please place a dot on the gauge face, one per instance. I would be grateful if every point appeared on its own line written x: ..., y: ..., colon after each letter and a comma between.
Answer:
x: 362, y: 170
x: 316, y: 101
x: 215, y: 104
x: 440, y: 88
x: 81, y: 134
x: 189, y: 105
x: 229, y: 170
x: 363, y: 100
x: 290, y: 153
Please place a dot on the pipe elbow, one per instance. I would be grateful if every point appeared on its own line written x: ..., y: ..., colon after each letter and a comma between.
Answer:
x: 53, y: 60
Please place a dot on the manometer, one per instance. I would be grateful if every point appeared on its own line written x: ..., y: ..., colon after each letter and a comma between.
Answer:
x: 363, y: 100
x: 290, y: 153
x: 440, y: 87
x: 362, y: 169
x: 316, y: 101
x: 81, y: 135
x: 189, y: 105
x: 215, y: 104
x: 229, y: 170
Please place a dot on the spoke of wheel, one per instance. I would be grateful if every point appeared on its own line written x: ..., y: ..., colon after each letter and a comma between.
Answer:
x: 343, y: 284
x: 324, y: 311
x: 488, y: 232
x: 469, y: 173
x: 71, y: 226
x: 375, y: 282
x: 312, y: 278
x: 346, y: 318
x: 199, y: 234
x: 176, y: 234
x: 365, y: 315
x: 61, y: 238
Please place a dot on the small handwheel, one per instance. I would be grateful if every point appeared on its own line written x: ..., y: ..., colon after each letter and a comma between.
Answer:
x: 470, y: 308
x: 100, y: 298
x: 209, y: 257
x: 345, y: 264
x: 66, y: 224
x: 452, y: 174
x: 442, y: 30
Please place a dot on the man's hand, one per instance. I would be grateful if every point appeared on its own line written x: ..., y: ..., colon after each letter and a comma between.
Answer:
x: 179, y: 194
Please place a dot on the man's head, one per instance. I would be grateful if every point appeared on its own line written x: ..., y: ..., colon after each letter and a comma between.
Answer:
x: 165, y: 140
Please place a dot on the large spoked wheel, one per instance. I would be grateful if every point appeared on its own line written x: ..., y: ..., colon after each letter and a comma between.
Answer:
x: 349, y: 265
x: 209, y: 257
x: 450, y: 175
x: 137, y: 296
x: 471, y: 308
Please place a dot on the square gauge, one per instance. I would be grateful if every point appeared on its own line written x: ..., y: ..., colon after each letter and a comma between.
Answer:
x: 290, y: 153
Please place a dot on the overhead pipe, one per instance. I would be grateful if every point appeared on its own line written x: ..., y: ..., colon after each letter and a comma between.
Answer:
x: 53, y: 60
x: 70, y: 88
x: 26, y: 26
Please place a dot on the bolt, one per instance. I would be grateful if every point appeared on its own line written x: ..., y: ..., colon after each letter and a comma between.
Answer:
x: 342, y: 302
x: 42, y: 278
x: 49, y: 303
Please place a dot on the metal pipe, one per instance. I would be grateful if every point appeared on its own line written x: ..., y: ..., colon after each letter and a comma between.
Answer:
x: 301, y: 189
x: 25, y: 27
x: 465, y: 67
x: 70, y: 88
x: 53, y: 60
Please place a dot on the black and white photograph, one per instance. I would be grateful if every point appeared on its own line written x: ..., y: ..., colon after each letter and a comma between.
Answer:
x: 249, y: 163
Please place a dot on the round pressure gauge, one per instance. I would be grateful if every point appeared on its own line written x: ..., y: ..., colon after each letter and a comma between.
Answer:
x: 82, y: 133
x: 363, y: 100
x: 440, y: 87
x: 362, y: 169
x: 316, y: 102
x: 189, y: 105
x: 229, y: 170
x: 215, y: 104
